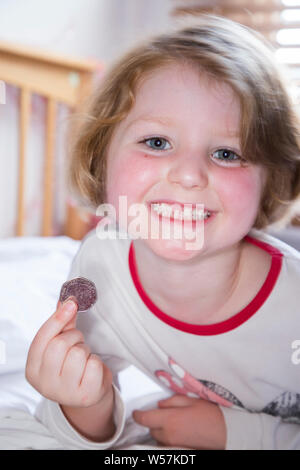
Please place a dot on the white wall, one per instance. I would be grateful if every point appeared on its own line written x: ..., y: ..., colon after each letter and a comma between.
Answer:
x: 97, y: 28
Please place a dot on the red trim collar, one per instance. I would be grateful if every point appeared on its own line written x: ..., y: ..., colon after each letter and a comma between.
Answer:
x: 226, y: 325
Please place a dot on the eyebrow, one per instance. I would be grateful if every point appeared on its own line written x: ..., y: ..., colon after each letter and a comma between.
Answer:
x: 156, y: 120
x: 169, y: 122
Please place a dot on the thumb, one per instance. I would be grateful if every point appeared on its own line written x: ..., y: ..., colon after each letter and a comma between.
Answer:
x: 63, y: 318
x: 69, y: 303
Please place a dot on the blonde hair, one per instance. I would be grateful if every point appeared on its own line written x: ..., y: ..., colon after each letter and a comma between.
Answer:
x: 224, y: 51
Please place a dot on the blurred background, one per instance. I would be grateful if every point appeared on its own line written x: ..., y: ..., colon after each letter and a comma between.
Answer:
x: 99, y: 31
x: 53, y: 53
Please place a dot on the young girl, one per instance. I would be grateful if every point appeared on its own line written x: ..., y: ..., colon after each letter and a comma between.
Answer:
x: 199, y: 117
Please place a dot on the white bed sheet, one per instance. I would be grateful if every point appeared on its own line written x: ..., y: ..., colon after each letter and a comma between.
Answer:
x: 32, y: 270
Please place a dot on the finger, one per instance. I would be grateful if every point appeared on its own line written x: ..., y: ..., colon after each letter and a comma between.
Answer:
x: 150, y: 418
x: 74, y: 364
x: 159, y: 436
x: 177, y: 401
x: 93, y: 378
x: 57, y: 350
x: 64, y: 316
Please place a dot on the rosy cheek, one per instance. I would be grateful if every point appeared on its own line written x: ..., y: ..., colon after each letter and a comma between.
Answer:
x: 239, y: 189
x: 131, y: 175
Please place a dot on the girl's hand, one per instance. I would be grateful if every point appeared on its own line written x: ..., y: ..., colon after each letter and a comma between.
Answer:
x: 183, y: 421
x: 60, y: 365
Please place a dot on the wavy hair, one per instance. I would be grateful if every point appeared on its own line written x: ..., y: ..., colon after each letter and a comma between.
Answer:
x: 226, y: 52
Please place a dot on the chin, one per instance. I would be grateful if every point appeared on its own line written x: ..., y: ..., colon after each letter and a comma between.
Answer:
x: 173, y: 250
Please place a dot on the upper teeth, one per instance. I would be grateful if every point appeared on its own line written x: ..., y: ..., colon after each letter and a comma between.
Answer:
x: 187, y: 214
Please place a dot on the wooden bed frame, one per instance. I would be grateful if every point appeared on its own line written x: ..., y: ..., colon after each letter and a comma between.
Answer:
x: 60, y: 80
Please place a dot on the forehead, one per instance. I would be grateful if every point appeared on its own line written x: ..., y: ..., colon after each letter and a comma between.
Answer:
x: 180, y: 93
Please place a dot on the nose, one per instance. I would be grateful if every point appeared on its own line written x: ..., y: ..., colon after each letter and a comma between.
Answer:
x: 189, y: 171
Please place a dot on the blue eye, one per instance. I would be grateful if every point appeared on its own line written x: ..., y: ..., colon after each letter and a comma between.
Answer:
x: 226, y: 155
x: 156, y: 143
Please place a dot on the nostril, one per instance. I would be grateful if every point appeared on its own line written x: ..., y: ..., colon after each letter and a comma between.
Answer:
x: 188, y: 175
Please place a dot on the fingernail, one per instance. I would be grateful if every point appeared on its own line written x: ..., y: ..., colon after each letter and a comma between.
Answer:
x: 69, y: 305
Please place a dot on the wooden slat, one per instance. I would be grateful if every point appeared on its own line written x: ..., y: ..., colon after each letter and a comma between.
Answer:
x: 49, y: 168
x: 40, y: 78
x: 233, y: 5
x: 45, y: 56
x: 76, y: 222
x: 252, y: 7
x: 23, y: 134
x: 231, y: 9
x: 59, y: 79
x: 263, y: 25
x: 44, y: 73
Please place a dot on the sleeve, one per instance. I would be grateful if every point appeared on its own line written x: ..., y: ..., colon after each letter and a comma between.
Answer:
x: 259, y: 431
x: 50, y: 413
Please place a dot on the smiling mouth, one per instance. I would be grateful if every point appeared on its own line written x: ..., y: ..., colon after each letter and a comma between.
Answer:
x: 179, y: 211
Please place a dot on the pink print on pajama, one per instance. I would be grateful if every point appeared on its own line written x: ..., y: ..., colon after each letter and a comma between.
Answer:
x: 183, y: 383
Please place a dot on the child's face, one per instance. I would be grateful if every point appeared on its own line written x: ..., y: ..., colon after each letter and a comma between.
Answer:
x: 187, y: 122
